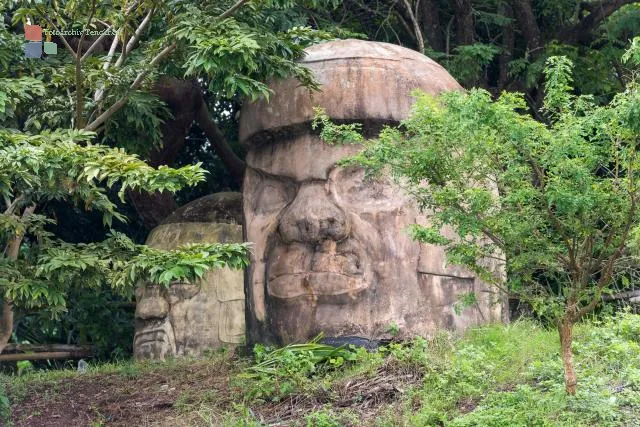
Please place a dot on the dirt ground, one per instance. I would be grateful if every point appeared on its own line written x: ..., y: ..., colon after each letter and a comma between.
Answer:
x: 186, y: 394
x: 150, y: 397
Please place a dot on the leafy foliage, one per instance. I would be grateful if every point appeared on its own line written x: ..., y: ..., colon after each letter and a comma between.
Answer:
x: 470, y: 61
x: 501, y: 45
x: 278, y: 372
x: 16, y: 91
x: 44, y: 160
x: 57, y: 267
x: 558, y: 199
x: 64, y: 164
x: 238, y: 54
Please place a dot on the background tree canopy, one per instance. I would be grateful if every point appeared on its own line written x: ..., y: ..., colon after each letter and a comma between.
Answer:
x: 502, y: 45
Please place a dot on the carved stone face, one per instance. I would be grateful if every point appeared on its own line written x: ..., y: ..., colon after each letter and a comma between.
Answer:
x: 187, y: 319
x: 331, y: 251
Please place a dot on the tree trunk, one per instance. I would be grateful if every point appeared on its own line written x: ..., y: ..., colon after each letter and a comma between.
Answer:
x: 431, y: 25
x: 508, y: 44
x: 234, y: 164
x: 12, y: 252
x: 464, y: 21
x: 184, y: 99
x: 565, y: 329
x: 528, y: 25
x: 6, y: 326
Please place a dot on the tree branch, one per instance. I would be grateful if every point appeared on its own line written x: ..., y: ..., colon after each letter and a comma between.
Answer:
x: 582, y: 31
x: 64, y: 40
x: 99, y: 93
x: 84, y: 31
x: 416, y: 26
x: 11, y: 206
x: 112, y: 51
x: 97, y: 42
x: 136, y: 36
x: 234, y: 163
x: 605, y: 278
x: 140, y: 78
x: 135, y: 85
x: 78, y: 74
x: 232, y: 9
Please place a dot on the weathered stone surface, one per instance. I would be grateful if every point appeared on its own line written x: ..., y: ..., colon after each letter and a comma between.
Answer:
x: 331, y: 253
x: 364, y: 81
x: 223, y: 207
x: 187, y: 319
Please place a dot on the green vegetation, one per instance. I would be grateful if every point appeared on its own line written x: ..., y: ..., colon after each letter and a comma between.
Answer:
x: 174, y: 63
x: 557, y: 201
x: 85, y: 136
x: 278, y: 372
x: 500, y: 375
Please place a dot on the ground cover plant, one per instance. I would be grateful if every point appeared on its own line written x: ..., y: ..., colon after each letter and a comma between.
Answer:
x: 496, y: 375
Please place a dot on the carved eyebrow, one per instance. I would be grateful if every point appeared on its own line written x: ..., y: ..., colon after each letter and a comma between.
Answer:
x: 264, y: 174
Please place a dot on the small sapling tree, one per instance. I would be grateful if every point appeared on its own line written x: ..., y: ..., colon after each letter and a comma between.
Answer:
x: 558, y: 199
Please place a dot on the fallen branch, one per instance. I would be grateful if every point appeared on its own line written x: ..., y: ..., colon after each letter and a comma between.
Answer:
x: 44, y: 356
x: 622, y: 295
x: 48, y: 348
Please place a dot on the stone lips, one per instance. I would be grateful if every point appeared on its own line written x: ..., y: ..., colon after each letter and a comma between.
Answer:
x: 360, y: 81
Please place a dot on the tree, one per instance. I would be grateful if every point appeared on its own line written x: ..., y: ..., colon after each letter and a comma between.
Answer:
x: 503, y: 45
x: 64, y: 165
x: 170, y: 65
x: 560, y: 200
x: 42, y: 159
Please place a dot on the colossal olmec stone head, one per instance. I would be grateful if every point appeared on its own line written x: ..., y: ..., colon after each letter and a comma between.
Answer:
x: 187, y: 319
x: 331, y: 253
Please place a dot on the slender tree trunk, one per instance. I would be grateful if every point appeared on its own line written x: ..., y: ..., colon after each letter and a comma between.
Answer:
x: 565, y: 329
x: 508, y: 44
x: 79, y: 95
x: 12, y: 252
x: 464, y: 21
x: 528, y: 26
x: 6, y: 325
x: 431, y: 26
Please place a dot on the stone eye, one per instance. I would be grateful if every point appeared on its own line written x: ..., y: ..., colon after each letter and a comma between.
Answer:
x: 272, y: 198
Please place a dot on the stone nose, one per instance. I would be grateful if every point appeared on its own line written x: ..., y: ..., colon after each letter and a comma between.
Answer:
x: 153, y: 307
x: 313, y: 217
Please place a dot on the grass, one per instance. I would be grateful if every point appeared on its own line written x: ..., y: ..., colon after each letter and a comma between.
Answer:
x: 499, y: 375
